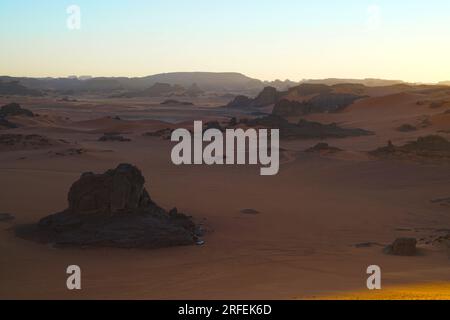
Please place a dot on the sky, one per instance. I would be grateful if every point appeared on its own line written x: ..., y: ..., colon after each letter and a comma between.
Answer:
x: 264, y: 39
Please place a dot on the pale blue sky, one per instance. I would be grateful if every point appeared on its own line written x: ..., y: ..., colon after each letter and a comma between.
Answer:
x: 265, y: 39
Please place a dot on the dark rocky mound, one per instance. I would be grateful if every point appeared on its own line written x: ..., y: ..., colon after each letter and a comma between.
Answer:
x: 113, y: 137
x: 402, y: 247
x: 113, y: 209
x: 326, y: 102
x: 332, y: 102
x: 176, y: 102
x: 406, y: 128
x: 268, y: 96
x: 20, y: 141
x: 166, y: 133
x: 250, y: 211
x: 323, y: 148
x: 431, y: 147
x: 14, y: 109
x: 305, y: 129
x: 240, y: 102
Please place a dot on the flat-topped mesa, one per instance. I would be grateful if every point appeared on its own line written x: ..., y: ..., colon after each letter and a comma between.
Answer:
x: 118, y: 190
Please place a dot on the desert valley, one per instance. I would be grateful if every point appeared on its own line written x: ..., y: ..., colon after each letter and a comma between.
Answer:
x: 364, y: 165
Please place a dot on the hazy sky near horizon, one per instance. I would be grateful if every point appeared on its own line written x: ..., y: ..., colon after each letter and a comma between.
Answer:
x: 265, y: 39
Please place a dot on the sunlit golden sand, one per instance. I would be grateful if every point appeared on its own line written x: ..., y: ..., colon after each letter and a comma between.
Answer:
x: 435, y: 291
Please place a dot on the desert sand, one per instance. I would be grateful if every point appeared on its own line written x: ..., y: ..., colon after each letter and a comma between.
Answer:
x: 302, y: 244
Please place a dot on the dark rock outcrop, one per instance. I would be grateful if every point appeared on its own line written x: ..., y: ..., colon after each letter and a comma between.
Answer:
x: 14, y: 109
x: 402, y: 247
x: 326, y: 102
x: 268, y: 96
x: 29, y: 141
x: 176, y: 102
x: 166, y: 133
x: 287, y: 108
x: 431, y: 147
x: 113, y: 137
x: 323, y: 148
x: 406, y: 128
x: 304, y: 129
x: 240, y: 102
x: 113, y: 209
x: 6, y: 217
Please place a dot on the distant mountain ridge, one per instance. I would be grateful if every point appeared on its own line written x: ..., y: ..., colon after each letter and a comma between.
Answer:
x: 219, y: 82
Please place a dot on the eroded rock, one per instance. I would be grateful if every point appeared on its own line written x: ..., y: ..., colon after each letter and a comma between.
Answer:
x: 402, y: 247
x: 113, y: 209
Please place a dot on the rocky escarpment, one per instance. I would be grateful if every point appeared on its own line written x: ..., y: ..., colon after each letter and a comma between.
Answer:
x: 300, y: 100
x: 304, y: 129
x: 113, y: 209
x: 267, y: 97
x: 326, y: 102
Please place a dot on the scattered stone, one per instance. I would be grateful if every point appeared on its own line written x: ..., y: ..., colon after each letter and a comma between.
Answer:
x: 20, y: 141
x: 6, y: 217
x: 431, y: 147
x: 114, y: 137
x: 323, y: 148
x: 166, y: 133
x: 68, y: 152
x: 406, y: 128
x: 113, y: 209
x: 402, y: 247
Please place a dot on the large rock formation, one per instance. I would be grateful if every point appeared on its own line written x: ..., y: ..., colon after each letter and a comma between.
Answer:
x: 268, y: 96
x: 325, y: 102
x: 113, y: 209
x: 14, y: 109
x: 305, y: 129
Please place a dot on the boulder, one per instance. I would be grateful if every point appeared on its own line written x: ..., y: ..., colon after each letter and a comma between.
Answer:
x: 402, y: 247
x: 14, y: 109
